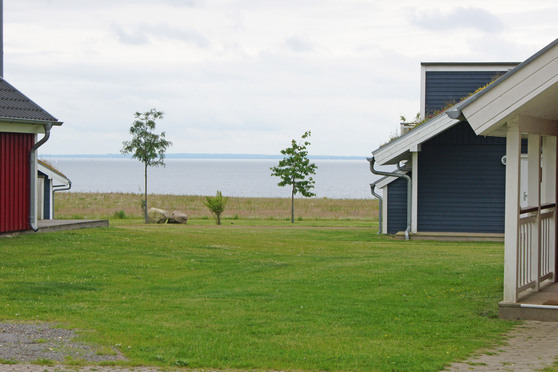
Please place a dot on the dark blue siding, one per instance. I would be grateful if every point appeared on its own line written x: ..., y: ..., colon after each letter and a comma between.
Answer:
x: 397, y: 206
x: 461, y: 186
x: 443, y: 87
x: 46, y: 204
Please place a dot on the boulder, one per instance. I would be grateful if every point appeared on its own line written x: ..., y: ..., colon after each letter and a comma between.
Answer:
x: 178, y: 217
x: 156, y: 215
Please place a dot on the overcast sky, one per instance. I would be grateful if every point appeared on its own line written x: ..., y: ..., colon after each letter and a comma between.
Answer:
x: 247, y: 76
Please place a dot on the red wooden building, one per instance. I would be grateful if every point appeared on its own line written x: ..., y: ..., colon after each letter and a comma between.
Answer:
x: 21, y: 123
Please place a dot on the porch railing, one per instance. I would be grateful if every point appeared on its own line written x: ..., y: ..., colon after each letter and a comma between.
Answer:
x: 535, y: 253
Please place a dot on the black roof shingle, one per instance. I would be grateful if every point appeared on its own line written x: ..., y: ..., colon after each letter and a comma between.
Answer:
x: 15, y: 105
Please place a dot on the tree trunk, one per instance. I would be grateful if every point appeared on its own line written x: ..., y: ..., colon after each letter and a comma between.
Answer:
x: 145, y: 200
x: 292, y: 205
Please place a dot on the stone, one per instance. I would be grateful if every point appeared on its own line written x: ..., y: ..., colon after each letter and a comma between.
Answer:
x: 178, y: 217
x: 156, y: 215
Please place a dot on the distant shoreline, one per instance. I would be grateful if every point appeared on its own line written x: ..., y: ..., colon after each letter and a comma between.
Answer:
x: 200, y: 156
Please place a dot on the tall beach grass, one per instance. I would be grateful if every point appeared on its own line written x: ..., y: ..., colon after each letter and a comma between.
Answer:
x: 107, y: 205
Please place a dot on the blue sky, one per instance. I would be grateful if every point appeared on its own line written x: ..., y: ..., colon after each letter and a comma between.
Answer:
x: 246, y: 76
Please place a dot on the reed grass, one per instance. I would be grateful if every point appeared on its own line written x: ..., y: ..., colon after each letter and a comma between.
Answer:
x: 119, y: 205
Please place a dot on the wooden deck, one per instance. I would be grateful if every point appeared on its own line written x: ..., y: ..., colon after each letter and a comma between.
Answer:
x: 453, y: 236
x: 541, y: 306
x: 59, y: 225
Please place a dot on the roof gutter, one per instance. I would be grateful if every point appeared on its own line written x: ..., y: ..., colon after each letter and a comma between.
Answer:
x: 10, y: 120
x: 456, y: 112
x: 62, y: 187
x: 33, y: 177
x: 372, y: 161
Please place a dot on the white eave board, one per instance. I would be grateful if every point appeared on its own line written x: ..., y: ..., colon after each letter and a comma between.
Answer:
x: 58, y: 178
x: 530, y: 90
x: 401, y: 148
x: 383, y: 182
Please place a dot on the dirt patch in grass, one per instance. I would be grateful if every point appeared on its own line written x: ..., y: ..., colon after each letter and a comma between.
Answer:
x: 44, y: 343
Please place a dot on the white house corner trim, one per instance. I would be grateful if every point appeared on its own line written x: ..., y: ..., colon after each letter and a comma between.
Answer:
x: 414, y: 193
x: 384, y: 210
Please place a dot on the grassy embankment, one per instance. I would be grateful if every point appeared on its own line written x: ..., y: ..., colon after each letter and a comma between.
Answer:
x: 259, y: 298
x: 109, y: 205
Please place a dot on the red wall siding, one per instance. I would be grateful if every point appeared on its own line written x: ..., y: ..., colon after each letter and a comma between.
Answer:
x: 14, y: 181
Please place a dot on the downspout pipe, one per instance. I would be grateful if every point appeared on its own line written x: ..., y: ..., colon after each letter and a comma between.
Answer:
x: 33, y: 177
x: 380, y: 201
x: 372, y: 161
x: 56, y: 188
x: 67, y: 187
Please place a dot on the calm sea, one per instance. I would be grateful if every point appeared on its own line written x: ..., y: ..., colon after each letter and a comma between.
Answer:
x: 339, y: 179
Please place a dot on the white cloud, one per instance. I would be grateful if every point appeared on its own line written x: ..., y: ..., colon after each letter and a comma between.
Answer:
x: 145, y: 34
x: 245, y: 76
x: 133, y: 37
x: 298, y: 44
x: 458, y: 18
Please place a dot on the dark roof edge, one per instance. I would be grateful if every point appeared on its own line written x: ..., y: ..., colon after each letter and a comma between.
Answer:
x: 4, y: 119
x: 456, y: 110
x: 34, y: 103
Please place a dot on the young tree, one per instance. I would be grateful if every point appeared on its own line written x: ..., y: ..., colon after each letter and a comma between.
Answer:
x: 295, y: 168
x: 216, y: 205
x: 146, y: 145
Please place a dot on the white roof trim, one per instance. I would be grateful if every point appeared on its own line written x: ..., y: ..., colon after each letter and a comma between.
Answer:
x: 384, y: 181
x: 57, y: 178
x: 468, y: 66
x: 515, y: 94
x: 400, y: 148
x: 460, y: 67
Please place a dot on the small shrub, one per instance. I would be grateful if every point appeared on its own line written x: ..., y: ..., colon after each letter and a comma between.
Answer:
x: 119, y: 214
x: 216, y: 205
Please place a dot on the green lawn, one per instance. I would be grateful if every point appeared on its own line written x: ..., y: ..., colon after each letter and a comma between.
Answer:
x: 259, y: 297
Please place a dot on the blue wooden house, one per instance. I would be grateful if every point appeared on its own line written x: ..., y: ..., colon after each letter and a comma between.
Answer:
x: 454, y: 179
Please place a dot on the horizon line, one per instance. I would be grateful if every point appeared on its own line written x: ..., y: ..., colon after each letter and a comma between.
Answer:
x: 202, y: 156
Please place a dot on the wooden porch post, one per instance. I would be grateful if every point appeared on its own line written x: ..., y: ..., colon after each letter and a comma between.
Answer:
x: 548, y: 188
x: 534, y: 200
x: 513, y: 159
x: 555, y: 144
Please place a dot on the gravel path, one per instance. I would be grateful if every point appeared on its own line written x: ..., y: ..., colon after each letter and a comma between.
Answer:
x: 530, y: 347
x: 21, y: 342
